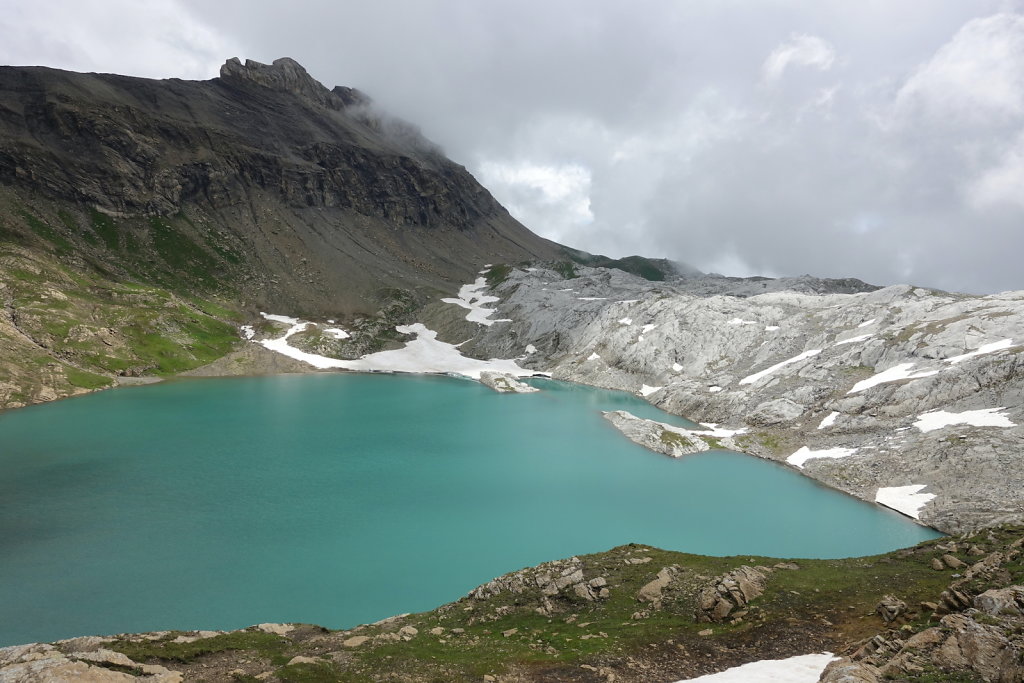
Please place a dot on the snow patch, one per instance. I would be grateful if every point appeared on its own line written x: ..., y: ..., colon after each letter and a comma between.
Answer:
x: 592, y: 298
x: 800, y: 669
x: 676, y: 367
x: 894, y: 374
x: 281, y: 319
x: 626, y: 321
x: 248, y: 331
x: 829, y: 421
x: 750, y: 379
x: 804, y: 454
x: 530, y: 348
x: 867, y: 322
x: 906, y: 499
x: 986, y: 417
x: 858, y: 338
x: 425, y: 354
x: 336, y: 332
x: 713, y: 430
x: 594, y: 356
x: 647, y: 328
x: 646, y: 391
x: 741, y: 321
x: 472, y: 299
x: 714, y: 389
x: 981, y: 350
x: 771, y: 328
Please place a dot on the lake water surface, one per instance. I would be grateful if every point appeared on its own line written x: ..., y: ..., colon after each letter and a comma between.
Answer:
x: 340, y: 499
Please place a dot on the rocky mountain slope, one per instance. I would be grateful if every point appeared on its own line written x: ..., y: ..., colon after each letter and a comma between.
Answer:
x: 142, y: 220
x: 908, y: 396
x: 949, y: 610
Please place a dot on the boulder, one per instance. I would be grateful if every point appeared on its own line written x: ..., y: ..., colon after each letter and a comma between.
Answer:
x: 1001, y: 601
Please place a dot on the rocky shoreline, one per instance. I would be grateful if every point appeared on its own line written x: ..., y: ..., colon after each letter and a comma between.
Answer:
x: 951, y: 609
x: 866, y: 392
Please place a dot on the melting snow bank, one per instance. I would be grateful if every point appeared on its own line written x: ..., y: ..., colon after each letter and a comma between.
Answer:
x: 804, y: 454
x: 669, y: 439
x: 750, y: 379
x: 471, y: 299
x: 982, y: 350
x: 800, y: 669
x: 895, y: 374
x: 829, y: 421
x: 425, y: 354
x: 986, y: 417
x: 906, y: 499
x: 646, y: 391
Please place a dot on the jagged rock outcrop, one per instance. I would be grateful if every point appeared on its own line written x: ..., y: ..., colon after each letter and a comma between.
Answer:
x: 978, y: 635
x: 730, y: 593
x: 42, y: 663
x: 505, y: 383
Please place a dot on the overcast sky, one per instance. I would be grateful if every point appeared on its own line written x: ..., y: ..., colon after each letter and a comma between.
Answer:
x: 874, y: 139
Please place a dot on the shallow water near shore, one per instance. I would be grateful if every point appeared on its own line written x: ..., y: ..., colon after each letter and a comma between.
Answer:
x: 339, y: 499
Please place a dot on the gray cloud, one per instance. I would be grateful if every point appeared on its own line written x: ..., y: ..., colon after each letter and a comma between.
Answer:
x: 874, y: 139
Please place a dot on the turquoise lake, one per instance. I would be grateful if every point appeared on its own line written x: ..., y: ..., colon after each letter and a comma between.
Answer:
x: 339, y: 499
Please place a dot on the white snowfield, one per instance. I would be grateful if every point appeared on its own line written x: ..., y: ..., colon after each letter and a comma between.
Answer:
x: 281, y: 319
x: 906, y: 499
x: 713, y: 430
x: 425, y: 354
x: 799, y: 669
x: 750, y: 379
x: 829, y: 420
x: 982, y: 350
x: 894, y: 374
x: 470, y: 298
x: 986, y: 417
x: 804, y: 454
x: 336, y: 332
x: 646, y: 391
x: 851, y: 340
x: 904, y: 370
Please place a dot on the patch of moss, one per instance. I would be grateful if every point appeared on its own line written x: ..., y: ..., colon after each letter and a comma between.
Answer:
x: 567, y: 269
x: 85, y: 380
x: 325, y: 672
x: 497, y: 274
x: 40, y: 228
x: 179, y: 252
x: 272, y: 647
x: 104, y: 226
x: 673, y: 439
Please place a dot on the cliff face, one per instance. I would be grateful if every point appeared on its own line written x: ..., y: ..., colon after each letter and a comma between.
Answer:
x: 142, y: 221
x: 308, y: 197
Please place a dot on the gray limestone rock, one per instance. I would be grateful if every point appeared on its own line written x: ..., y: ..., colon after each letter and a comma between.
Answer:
x: 786, y: 360
x: 504, y: 383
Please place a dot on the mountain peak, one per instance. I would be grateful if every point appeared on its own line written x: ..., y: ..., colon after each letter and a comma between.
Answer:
x: 284, y: 74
